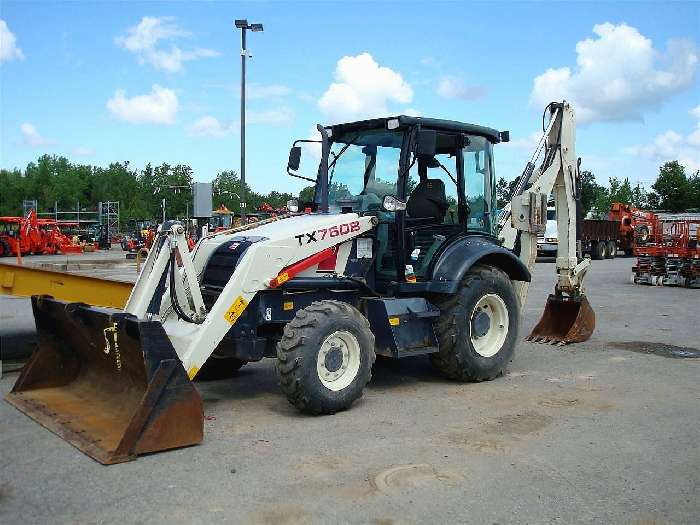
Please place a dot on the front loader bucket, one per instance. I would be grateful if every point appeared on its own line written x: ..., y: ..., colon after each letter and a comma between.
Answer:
x: 106, y: 382
x: 565, y: 320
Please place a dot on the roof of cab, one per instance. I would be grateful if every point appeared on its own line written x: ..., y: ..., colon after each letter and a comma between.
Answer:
x: 430, y: 123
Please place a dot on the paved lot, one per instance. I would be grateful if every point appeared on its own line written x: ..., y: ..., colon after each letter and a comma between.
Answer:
x: 600, y: 432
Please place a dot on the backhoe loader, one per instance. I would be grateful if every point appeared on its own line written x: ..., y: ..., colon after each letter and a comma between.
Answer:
x: 399, y: 253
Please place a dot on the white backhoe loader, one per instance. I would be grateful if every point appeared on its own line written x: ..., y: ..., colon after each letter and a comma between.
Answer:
x: 400, y: 253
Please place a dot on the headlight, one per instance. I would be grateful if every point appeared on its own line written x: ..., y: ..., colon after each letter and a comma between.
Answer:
x: 293, y: 205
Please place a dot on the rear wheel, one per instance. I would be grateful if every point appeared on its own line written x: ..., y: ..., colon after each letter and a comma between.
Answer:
x: 599, y: 250
x: 611, y: 251
x: 478, y: 327
x: 325, y: 357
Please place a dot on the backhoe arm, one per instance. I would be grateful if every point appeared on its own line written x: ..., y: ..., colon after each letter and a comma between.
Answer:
x: 526, y: 216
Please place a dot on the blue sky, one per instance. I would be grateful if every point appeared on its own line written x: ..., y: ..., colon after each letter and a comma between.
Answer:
x: 102, y: 82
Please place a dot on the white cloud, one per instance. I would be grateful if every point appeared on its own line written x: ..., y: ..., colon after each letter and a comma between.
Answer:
x: 411, y: 112
x: 32, y: 137
x: 8, y: 44
x: 362, y: 89
x: 209, y: 127
x: 619, y: 75
x: 673, y: 146
x: 143, y: 40
x: 157, y: 107
x: 453, y: 87
x: 694, y: 138
x: 258, y: 91
x: 80, y: 151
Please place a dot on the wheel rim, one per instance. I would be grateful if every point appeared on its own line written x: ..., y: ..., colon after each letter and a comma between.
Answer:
x: 338, y: 360
x: 489, y: 325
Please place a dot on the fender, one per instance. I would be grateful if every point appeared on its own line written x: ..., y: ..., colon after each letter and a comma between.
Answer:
x: 457, y: 258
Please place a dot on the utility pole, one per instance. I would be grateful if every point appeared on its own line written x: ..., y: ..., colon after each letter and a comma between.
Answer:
x: 243, y: 25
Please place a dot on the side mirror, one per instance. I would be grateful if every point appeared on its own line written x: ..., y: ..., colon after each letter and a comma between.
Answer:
x: 294, y: 158
x: 391, y: 203
x: 426, y: 142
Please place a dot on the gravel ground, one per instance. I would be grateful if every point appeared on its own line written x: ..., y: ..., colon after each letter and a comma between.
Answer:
x: 600, y: 432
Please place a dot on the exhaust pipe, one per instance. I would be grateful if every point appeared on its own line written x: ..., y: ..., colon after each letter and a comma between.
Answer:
x: 108, y: 383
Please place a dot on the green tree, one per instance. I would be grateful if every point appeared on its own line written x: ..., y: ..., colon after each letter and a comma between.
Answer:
x: 694, y: 191
x: 307, y: 194
x: 591, y: 191
x: 13, y: 192
x: 673, y: 188
x: 504, y: 190
x: 619, y: 191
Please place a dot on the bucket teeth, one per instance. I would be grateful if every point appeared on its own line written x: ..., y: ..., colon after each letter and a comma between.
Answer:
x: 564, y: 320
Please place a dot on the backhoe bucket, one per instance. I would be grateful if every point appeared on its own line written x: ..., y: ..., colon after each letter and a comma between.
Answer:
x: 565, y: 320
x: 106, y: 382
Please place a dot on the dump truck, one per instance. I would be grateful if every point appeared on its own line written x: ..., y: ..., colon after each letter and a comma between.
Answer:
x: 600, y: 238
x: 400, y: 253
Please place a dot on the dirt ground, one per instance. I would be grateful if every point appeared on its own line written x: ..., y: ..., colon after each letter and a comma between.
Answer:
x: 600, y: 432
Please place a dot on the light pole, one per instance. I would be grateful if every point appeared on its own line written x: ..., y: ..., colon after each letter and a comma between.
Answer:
x: 243, y: 25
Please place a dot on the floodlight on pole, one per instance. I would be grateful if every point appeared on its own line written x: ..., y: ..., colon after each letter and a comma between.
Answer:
x: 243, y: 25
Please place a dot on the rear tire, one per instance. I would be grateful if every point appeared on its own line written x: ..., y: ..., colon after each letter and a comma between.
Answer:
x: 465, y: 355
x: 5, y: 250
x: 611, y: 250
x: 325, y: 357
x: 599, y: 250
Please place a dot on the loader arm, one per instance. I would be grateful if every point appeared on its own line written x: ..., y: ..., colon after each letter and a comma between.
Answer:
x: 526, y: 216
x: 195, y: 333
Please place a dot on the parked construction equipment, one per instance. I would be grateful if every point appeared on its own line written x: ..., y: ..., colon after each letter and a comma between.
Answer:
x: 671, y: 254
x: 636, y: 225
x: 30, y: 235
x: 400, y: 254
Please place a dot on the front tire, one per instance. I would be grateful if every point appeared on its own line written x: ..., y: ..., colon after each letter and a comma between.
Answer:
x: 598, y: 251
x: 325, y: 357
x: 5, y: 250
x: 478, y: 327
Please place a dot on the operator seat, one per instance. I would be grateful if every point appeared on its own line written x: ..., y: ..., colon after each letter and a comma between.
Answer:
x: 428, y: 201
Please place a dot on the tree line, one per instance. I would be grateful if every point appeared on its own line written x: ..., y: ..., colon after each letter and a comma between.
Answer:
x: 55, y: 181
x: 673, y: 191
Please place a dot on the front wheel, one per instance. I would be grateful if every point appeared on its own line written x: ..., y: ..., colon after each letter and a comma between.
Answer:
x: 478, y: 327
x: 598, y: 251
x: 325, y: 357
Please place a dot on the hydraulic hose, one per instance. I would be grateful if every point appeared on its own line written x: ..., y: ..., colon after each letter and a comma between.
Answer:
x: 173, y: 293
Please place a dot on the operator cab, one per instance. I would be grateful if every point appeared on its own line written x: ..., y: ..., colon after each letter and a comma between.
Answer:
x: 428, y: 181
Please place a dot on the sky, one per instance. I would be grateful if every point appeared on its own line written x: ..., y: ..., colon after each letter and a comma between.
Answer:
x: 102, y: 82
